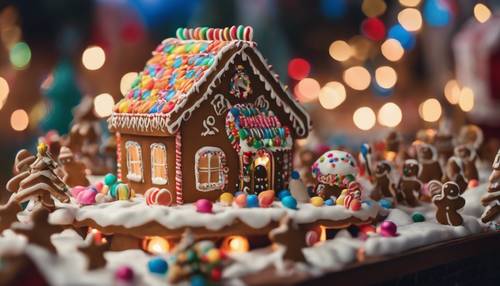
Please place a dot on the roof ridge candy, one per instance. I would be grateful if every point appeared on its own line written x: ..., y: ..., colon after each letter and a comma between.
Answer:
x: 233, y: 33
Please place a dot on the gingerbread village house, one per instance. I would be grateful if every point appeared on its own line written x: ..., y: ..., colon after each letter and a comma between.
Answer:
x: 206, y: 116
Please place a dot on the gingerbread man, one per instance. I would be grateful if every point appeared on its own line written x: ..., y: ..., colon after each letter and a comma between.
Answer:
x: 75, y: 171
x: 448, y: 202
x: 429, y: 164
x: 385, y: 186
x: 409, y: 185
x: 491, y: 200
x: 469, y: 157
x: 454, y: 172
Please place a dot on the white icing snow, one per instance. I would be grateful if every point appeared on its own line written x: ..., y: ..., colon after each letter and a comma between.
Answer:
x: 336, y: 162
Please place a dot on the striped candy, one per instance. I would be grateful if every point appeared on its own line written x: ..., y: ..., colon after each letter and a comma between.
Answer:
x: 233, y: 33
x: 157, y: 196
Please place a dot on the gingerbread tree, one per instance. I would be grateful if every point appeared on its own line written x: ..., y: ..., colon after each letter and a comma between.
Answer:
x: 38, y: 181
x: 491, y: 200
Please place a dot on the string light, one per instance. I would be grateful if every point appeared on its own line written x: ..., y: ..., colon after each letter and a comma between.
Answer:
x: 392, y: 50
x: 126, y: 82
x: 235, y: 244
x: 466, y: 99
x: 340, y: 51
x: 452, y: 91
x: 357, y: 77
x: 410, y: 19
x: 373, y: 8
x: 332, y: 95
x: 298, y: 68
x: 308, y: 89
x: 4, y: 91
x: 20, y: 55
x: 103, y: 104
x: 19, y: 120
x: 156, y: 245
x: 481, y: 12
x: 430, y: 110
x: 386, y: 77
x: 409, y: 3
x: 364, y: 118
x: 93, y: 58
x: 390, y: 115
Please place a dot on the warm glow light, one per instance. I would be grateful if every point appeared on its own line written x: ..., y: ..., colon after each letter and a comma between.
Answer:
x: 19, y: 120
x: 364, y: 118
x: 332, y: 95
x: 482, y: 12
x: 357, y: 77
x: 466, y: 99
x: 452, y: 91
x: 126, y: 82
x: 340, y: 51
x: 386, y: 76
x: 4, y: 91
x: 156, y: 245
x: 373, y: 8
x: 308, y: 89
x: 392, y: 50
x: 93, y: 58
x: 103, y: 104
x: 322, y: 234
x: 430, y: 110
x: 235, y: 244
x: 410, y: 19
x: 361, y: 47
x: 409, y: 3
x: 389, y: 115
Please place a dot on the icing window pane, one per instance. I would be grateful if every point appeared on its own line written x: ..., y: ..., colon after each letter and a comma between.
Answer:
x: 134, y: 161
x: 209, y: 173
x: 158, y: 164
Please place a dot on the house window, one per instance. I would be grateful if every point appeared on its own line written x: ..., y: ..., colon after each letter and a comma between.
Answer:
x: 210, y: 168
x: 134, y: 161
x: 158, y: 164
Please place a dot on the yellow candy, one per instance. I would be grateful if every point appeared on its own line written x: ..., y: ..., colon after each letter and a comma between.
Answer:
x: 226, y: 199
x: 317, y: 201
x: 213, y: 255
x: 105, y: 189
x: 340, y: 201
x: 123, y: 107
x: 179, y: 49
x: 196, y: 48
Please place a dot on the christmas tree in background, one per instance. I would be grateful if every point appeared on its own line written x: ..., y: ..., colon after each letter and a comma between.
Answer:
x: 63, y: 95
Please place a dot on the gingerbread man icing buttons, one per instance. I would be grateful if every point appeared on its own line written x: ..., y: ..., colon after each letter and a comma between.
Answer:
x: 409, y: 185
x: 448, y: 202
x: 429, y: 164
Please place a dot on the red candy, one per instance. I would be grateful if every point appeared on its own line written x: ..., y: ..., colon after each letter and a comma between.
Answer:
x: 156, y: 196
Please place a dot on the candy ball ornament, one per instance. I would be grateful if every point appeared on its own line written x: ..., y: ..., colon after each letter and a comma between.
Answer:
x: 226, y: 199
x: 124, y: 274
x: 289, y: 202
x: 266, y: 198
x: 417, y: 217
x: 252, y: 201
x: 317, y: 201
x: 204, y: 206
x: 241, y: 200
x: 388, y: 229
x: 158, y: 265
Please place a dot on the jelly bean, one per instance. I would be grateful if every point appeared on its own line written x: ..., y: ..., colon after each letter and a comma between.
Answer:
x: 417, y: 217
x: 289, y: 202
x: 317, y: 201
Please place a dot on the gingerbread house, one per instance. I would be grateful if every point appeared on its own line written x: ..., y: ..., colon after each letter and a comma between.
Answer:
x: 205, y: 116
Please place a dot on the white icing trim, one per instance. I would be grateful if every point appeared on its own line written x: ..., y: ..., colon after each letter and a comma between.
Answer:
x: 209, y: 125
x: 132, y: 176
x: 206, y: 187
x: 140, y: 122
x: 220, y: 104
x: 158, y: 180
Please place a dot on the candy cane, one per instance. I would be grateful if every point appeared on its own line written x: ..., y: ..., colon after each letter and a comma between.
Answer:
x: 178, y: 171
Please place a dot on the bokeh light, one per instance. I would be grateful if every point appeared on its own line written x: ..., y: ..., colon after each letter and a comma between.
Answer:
x: 19, y: 120
x: 20, y: 55
x: 386, y: 76
x: 364, y: 118
x: 340, y: 51
x: 405, y: 38
x: 410, y: 19
x: 452, y: 91
x: 482, y: 12
x: 334, y: 8
x: 392, y: 50
x: 373, y: 8
x: 361, y: 47
x: 126, y: 82
x: 373, y: 29
x: 298, y: 68
x: 357, y: 77
x: 93, y: 58
x: 4, y: 91
x: 390, y: 115
x: 308, y: 89
x: 437, y: 13
x: 430, y: 110
x: 332, y: 95
x: 409, y: 3
x: 466, y: 99
x: 103, y: 104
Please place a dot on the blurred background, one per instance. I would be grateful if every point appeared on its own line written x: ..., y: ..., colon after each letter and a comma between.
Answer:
x: 361, y: 67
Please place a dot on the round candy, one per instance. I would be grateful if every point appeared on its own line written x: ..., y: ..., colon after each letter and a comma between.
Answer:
x: 204, y: 206
x: 473, y: 183
x: 216, y: 274
x: 87, y: 196
x: 99, y: 186
x: 157, y: 196
x: 329, y: 202
x: 112, y: 189
x: 355, y: 205
x: 417, y: 217
x: 109, y: 179
x: 252, y: 201
x: 122, y: 192
x: 76, y: 190
x: 105, y: 190
x: 289, y: 202
x: 317, y: 201
x: 385, y: 203
x: 266, y: 198
x: 388, y: 229
x: 312, y: 237
x: 213, y: 255
x: 241, y: 200
x: 284, y: 193
x: 226, y: 199
x: 158, y: 265
x: 124, y: 273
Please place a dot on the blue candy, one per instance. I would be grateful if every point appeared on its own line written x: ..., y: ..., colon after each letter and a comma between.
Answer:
x: 284, y: 193
x: 385, y: 203
x: 252, y: 201
x: 158, y: 265
x: 289, y: 202
x: 329, y: 202
x: 198, y: 280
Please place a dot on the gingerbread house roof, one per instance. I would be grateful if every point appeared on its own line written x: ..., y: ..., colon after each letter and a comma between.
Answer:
x: 182, y: 73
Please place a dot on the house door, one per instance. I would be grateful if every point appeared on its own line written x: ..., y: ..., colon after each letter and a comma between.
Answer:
x: 262, y: 171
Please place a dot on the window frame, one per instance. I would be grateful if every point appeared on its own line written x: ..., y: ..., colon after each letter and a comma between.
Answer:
x: 130, y: 175
x: 156, y: 180
x: 222, y: 169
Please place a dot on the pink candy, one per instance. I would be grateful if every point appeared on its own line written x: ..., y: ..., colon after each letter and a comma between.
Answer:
x: 388, y: 229
x: 86, y: 196
x: 204, y: 206
x: 157, y: 196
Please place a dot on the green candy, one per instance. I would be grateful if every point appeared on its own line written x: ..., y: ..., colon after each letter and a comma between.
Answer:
x: 203, y: 33
x: 180, y: 33
x: 109, y: 179
x: 239, y: 32
x: 418, y: 217
x: 257, y: 144
x: 243, y: 134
